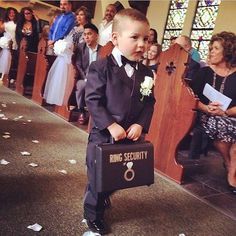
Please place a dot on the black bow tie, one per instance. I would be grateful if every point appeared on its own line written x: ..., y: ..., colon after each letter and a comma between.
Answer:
x: 125, y: 61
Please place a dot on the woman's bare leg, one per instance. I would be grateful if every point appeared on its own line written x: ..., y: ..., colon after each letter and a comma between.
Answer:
x: 224, y: 149
x: 232, y: 167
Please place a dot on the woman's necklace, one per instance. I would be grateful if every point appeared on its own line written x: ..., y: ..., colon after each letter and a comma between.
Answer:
x: 222, y: 86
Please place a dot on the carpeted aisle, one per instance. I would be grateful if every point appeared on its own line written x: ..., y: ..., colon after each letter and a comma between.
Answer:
x: 51, y: 194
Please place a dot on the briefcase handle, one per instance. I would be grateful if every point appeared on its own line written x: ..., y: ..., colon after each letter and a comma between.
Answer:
x: 127, y: 141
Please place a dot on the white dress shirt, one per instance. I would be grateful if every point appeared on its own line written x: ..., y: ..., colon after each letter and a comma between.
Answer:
x: 117, y: 55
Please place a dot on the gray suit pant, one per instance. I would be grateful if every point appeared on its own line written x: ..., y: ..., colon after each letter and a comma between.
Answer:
x: 93, y: 201
x: 80, y: 93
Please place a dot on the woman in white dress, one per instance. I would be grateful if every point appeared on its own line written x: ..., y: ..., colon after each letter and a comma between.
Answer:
x: 61, y: 72
x: 9, y: 29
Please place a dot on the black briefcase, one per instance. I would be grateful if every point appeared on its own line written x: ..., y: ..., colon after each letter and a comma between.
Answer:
x: 120, y: 166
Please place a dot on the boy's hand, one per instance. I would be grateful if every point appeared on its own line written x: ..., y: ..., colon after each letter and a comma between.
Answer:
x: 134, y: 132
x: 117, y: 131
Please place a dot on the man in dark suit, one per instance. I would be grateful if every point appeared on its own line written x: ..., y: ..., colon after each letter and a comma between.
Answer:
x: 86, y: 53
x: 120, y: 100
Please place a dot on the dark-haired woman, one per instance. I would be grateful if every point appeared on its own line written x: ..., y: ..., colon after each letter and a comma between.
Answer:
x: 9, y: 29
x: 83, y: 17
x: 152, y: 37
x: 220, y: 124
x: 28, y: 27
x: 152, y: 58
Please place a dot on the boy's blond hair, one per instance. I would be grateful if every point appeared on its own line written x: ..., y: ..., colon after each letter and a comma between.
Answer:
x: 128, y: 13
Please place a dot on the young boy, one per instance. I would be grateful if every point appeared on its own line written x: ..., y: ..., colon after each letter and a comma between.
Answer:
x: 87, y: 52
x: 114, y: 100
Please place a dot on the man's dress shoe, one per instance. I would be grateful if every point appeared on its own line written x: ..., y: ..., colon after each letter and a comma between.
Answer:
x: 232, y: 189
x: 107, y: 203
x: 82, y: 118
x: 97, y: 226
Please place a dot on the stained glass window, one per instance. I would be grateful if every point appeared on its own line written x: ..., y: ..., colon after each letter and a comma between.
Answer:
x: 203, y: 25
x: 175, y: 21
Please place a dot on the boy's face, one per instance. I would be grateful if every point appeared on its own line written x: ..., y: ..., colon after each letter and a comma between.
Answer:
x: 132, y: 38
x: 90, y: 37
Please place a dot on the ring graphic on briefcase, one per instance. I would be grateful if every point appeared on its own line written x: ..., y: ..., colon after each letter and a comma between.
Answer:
x: 126, y: 165
x: 129, y: 171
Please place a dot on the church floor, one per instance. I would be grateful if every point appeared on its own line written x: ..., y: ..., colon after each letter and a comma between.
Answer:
x: 51, y: 194
x: 206, y: 179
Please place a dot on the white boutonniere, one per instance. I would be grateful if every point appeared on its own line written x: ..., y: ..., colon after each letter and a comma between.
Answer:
x: 146, y: 86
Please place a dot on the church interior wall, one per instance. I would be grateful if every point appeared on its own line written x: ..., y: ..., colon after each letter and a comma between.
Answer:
x: 157, y: 13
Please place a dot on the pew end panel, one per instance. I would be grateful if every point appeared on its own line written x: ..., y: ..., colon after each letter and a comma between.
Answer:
x: 106, y: 50
x: 21, y: 69
x: 5, y: 80
x: 41, y: 70
x: 64, y: 111
x: 173, y: 112
x: 26, y: 68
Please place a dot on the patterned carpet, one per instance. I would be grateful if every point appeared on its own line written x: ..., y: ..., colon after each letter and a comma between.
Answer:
x: 51, y: 194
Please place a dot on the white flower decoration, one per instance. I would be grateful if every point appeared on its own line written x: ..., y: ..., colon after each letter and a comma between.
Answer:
x: 62, y: 46
x: 4, y: 41
x: 146, y: 86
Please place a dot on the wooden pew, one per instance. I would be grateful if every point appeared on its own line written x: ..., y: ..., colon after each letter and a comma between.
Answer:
x: 64, y: 111
x: 5, y: 80
x: 43, y: 64
x: 26, y: 67
x: 173, y: 113
x: 13, y: 67
x: 106, y: 50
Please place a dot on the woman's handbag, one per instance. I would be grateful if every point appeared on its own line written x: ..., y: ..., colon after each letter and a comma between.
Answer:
x: 124, y: 165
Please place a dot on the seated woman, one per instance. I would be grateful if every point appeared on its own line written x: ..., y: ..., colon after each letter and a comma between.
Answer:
x: 83, y: 17
x: 152, y: 39
x: 9, y: 28
x: 152, y: 57
x: 220, y: 124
